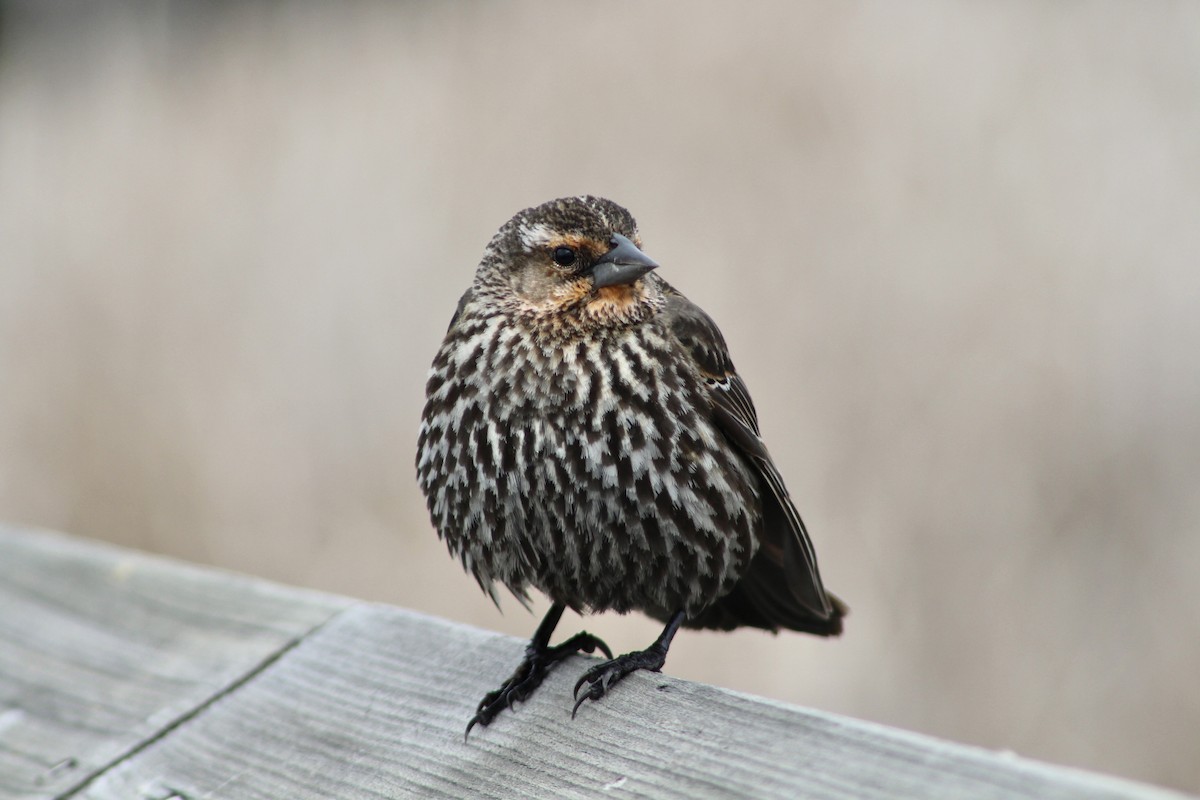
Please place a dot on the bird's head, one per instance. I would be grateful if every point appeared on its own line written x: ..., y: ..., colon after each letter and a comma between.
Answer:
x: 577, y: 257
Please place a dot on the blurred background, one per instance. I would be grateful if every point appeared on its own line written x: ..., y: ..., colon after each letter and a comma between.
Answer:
x: 955, y: 249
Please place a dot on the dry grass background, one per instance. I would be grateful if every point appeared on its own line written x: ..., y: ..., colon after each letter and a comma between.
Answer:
x: 955, y: 250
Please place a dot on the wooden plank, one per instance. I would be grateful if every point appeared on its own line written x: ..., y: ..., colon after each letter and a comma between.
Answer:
x: 104, y: 649
x: 374, y: 703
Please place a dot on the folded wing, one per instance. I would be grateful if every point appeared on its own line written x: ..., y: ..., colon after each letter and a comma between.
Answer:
x: 782, y: 588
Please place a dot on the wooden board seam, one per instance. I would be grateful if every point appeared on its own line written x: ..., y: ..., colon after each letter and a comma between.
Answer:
x: 200, y: 708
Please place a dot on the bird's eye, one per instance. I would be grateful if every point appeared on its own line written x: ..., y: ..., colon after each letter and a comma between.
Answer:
x: 564, y: 256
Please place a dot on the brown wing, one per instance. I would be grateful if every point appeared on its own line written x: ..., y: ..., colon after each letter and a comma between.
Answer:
x: 782, y: 587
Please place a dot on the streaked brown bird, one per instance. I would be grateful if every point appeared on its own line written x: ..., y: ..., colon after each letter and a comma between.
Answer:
x: 585, y: 434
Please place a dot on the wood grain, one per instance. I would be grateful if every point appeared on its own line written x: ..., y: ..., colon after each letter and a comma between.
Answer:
x: 373, y: 705
x: 104, y: 649
x: 127, y: 677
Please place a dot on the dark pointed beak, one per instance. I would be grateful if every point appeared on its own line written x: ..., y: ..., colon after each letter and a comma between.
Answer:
x: 623, y: 264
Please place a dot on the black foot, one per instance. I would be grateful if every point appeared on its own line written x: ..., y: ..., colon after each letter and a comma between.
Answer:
x: 530, y: 674
x: 602, y: 677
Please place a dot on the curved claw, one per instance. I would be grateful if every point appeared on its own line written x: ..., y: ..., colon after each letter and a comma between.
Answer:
x: 517, y: 688
x: 599, y: 680
x: 471, y: 724
x: 587, y: 678
x: 602, y: 647
x: 578, y: 703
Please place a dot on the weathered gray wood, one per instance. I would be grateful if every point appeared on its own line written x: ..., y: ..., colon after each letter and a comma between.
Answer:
x: 373, y: 705
x: 157, y: 680
x: 104, y: 649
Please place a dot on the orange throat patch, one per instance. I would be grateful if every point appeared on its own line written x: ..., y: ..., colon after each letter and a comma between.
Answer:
x: 614, y: 299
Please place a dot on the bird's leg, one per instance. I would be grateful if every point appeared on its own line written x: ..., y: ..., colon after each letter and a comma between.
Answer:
x: 602, y: 677
x: 539, y: 658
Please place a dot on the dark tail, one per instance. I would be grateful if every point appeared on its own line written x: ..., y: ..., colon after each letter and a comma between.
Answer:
x: 763, y: 598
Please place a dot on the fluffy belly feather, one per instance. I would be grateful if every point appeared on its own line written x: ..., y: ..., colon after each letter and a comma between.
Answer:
x: 592, y: 478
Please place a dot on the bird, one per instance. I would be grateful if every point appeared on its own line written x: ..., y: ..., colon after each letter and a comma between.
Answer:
x: 585, y: 435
